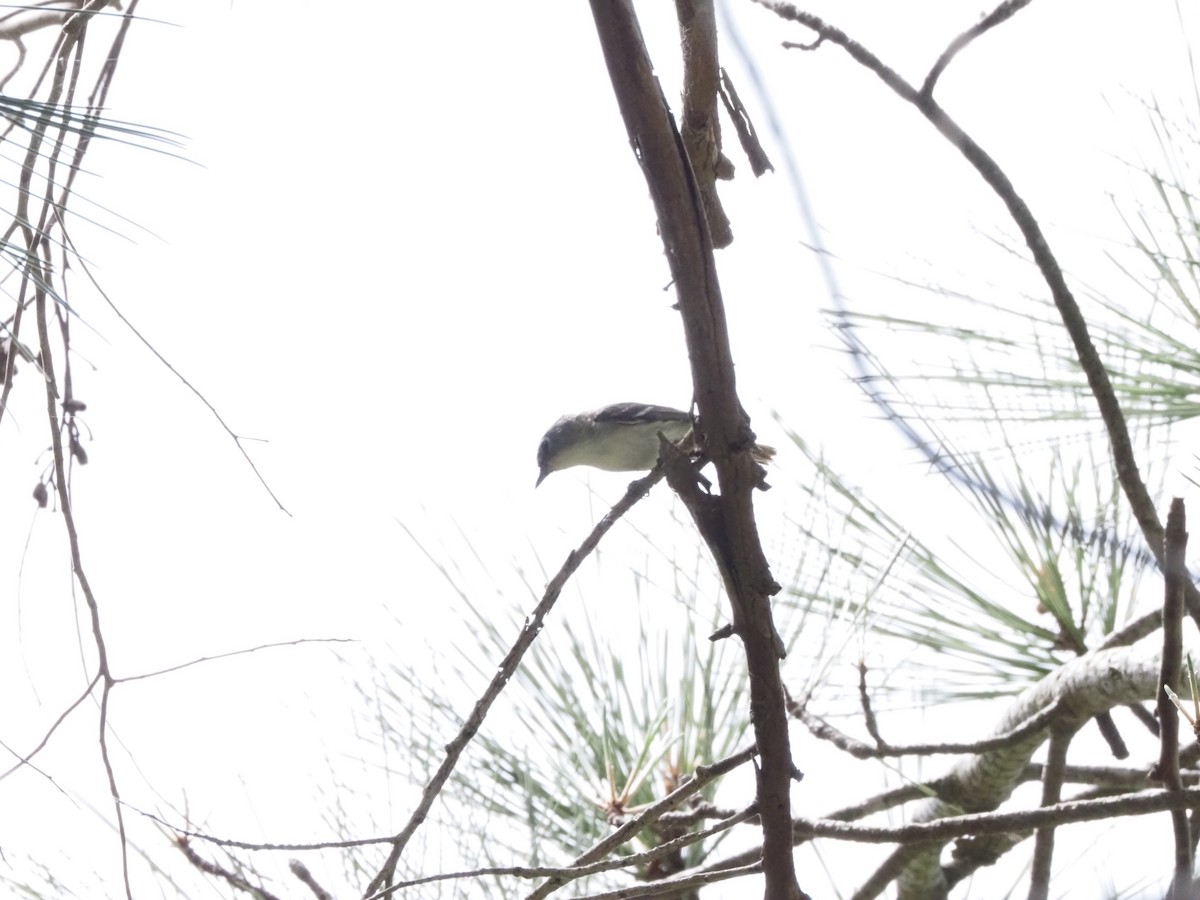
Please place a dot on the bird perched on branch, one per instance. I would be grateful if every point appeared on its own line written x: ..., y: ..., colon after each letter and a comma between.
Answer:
x: 622, y: 437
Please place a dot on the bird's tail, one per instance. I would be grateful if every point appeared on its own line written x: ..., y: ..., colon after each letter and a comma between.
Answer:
x: 762, y: 453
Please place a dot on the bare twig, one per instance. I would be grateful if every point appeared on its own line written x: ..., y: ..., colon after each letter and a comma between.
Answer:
x: 217, y: 656
x: 760, y: 164
x: 306, y: 878
x: 1144, y: 716
x: 565, y: 874
x: 1065, y: 813
x: 884, y: 800
x: 823, y: 730
x: 1134, y: 631
x: 864, y: 699
x: 590, y: 863
x: 1001, y: 13
x: 62, y: 717
x: 237, y: 438
x: 1112, y: 735
x: 680, y: 885
x: 231, y: 878
x: 533, y: 626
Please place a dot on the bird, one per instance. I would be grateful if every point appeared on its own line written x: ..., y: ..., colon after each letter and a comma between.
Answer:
x: 621, y: 437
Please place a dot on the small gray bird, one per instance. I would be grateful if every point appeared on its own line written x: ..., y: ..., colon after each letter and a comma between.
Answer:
x: 622, y: 437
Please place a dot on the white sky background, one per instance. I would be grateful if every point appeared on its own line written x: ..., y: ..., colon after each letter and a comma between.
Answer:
x: 408, y: 238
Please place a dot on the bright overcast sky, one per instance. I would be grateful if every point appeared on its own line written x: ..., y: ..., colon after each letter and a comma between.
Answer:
x: 401, y: 240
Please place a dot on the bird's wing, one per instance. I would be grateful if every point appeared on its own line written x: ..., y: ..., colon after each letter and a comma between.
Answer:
x: 639, y: 414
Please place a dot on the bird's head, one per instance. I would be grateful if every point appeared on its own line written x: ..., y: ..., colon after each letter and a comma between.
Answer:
x: 555, y: 450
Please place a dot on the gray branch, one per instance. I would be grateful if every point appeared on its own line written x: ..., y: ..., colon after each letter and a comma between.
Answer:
x: 1085, y: 686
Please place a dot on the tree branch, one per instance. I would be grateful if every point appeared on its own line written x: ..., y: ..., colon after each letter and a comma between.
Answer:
x: 1052, y: 782
x: 1085, y: 686
x: 723, y: 431
x: 701, y: 127
x: 826, y: 732
x: 1089, y: 359
x: 1167, y: 769
x: 533, y: 626
x: 1001, y: 13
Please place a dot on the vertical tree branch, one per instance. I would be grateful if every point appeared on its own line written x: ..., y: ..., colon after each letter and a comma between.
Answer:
x: 1052, y: 782
x: 1167, y: 769
x: 725, y: 520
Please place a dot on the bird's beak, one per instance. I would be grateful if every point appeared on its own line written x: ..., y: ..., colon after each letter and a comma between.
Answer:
x: 542, y: 476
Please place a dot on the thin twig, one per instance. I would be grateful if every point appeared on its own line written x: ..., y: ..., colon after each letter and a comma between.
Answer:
x: 864, y: 699
x: 533, y: 626
x: 237, y: 438
x: 570, y: 873
x: 231, y: 653
x: 1144, y: 716
x: 703, y: 776
x: 237, y: 844
x: 62, y: 717
x: 1001, y: 13
x: 680, y: 885
x: 823, y: 730
x: 760, y: 163
x: 1112, y: 735
x: 306, y: 878
x: 1133, y: 632
x: 941, y: 830
x: 231, y: 878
